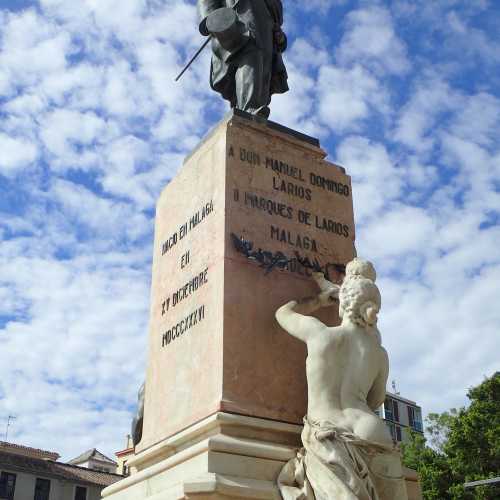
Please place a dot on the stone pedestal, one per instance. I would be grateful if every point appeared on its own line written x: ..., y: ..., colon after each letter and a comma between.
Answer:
x: 254, y: 209
x: 223, y: 456
x: 214, y: 344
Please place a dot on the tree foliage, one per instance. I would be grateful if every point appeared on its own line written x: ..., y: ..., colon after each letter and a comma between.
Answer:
x: 464, y: 447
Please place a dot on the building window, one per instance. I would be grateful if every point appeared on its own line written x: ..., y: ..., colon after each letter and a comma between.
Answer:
x: 7, y: 485
x: 388, y: 409
x: 395, y: 431
x: 80, y: 493
x: 415, y: 418
x: 396, y: 410
x: 391, y: 409
x: 391, y: 430
x: 42, y: 489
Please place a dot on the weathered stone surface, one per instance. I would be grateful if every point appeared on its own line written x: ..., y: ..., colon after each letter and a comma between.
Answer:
x: 222, y: 457
x: 277, y: 191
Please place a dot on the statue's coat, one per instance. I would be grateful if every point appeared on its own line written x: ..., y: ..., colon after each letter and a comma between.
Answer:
x: 260, y: 18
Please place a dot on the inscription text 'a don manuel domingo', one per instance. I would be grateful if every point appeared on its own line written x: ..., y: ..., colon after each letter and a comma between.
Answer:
x: 183, y: 326
x: 297, y: 177
x: 188, y: 226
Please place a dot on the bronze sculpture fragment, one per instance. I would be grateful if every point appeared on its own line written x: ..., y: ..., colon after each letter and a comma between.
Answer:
x: 247, y: 45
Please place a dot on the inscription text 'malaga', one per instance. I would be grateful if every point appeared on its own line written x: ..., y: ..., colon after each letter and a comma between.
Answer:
x: 193, y: 222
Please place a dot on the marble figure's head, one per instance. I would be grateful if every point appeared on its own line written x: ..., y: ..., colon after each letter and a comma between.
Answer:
x: 360, y: 301
x: 361, y: 268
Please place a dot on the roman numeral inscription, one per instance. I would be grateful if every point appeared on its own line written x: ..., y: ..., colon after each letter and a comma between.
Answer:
x: 183, y: 326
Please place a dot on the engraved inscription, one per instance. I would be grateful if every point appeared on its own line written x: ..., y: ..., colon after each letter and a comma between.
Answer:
x: 292, y: 189
x: 282, y: 168
x: 270, y: 206
x: 188, y: 226
x: 279, y: 167
x: 332, y: 226
x: 185, y: 291
x: 277, y: 209
x: 183, y: 326
x: 278, y: 260
x: 185, y: 259
x: 249, y: 157
x: 293, y: 239
x: 329, y: 185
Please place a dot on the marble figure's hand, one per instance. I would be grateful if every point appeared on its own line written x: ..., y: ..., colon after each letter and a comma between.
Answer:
x: 328, y: 289
x: 328, y: 298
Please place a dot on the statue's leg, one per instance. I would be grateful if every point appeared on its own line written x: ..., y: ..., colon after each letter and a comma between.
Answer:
x: 252, y: 86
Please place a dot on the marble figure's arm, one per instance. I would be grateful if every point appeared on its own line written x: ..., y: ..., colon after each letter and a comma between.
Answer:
x: 293, y: 318
x: 376, y: 394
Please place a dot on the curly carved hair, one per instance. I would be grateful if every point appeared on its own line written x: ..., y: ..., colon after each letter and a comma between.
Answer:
x: 354, y: 293
x: 362, y: 268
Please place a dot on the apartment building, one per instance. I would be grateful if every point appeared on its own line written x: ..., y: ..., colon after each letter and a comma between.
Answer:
x: 401, y: 415
x: 33, y: 474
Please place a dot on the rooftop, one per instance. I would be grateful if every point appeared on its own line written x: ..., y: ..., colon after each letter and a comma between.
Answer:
x: 127, y: 451
x: 27, y: 451
x: 401, y: 398
x: 57, y: 470
x: 92, y: 454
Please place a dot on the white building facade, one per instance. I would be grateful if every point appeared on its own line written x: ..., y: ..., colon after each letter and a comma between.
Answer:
x: 31, y: 474
x: 401, y: 415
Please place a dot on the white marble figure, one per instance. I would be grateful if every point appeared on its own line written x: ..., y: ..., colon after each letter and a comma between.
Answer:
x: 348, y: 453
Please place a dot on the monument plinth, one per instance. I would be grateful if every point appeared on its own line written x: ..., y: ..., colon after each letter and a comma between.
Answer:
x: 214, y: 344
x: 254, y: 210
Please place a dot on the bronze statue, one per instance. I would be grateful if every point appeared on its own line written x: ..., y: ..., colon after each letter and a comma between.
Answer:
x: 247, y: 43
x: 137, y: 422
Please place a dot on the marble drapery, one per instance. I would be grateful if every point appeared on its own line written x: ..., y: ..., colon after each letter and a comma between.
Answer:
x: 335, y: 464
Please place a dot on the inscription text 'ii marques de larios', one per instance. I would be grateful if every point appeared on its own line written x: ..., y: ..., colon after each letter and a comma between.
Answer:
x: 291, y: 195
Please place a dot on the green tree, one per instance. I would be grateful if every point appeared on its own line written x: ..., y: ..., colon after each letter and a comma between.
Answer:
x: 473, y: 443
x: 438, y: 428
x: 432, y: 467
x: 465, y: 447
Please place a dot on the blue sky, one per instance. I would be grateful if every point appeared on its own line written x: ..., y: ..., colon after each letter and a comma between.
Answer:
x: 404, y: 94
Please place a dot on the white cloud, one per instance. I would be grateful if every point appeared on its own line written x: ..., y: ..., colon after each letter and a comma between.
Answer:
x: 478, y: 119
x: 15, y: 153
x: 348, y: 96
x: 415, y: 125
x: 26, y: 104
x: 80, y: 84
x: 371, y: 40
x: 108, y: 219
x: 32, y: 47
x: 376, y: 181
x: 398, y: 232
x: 305, y: 55
x: 320, y: 6
x: 65, y: 131
x: 67, y: 360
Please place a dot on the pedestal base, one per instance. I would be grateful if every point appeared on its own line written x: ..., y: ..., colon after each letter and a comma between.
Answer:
x: 224, y: 456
